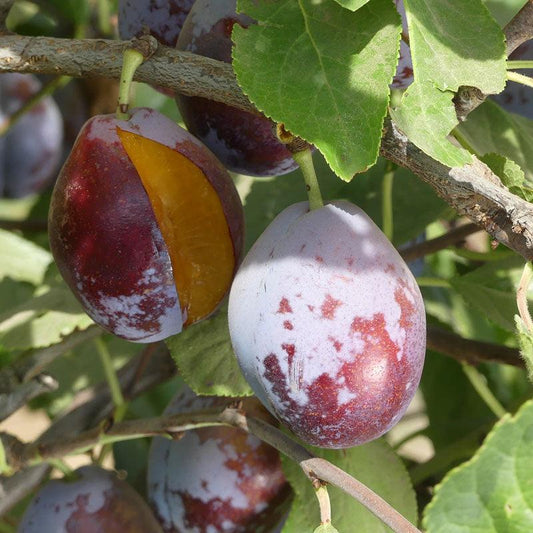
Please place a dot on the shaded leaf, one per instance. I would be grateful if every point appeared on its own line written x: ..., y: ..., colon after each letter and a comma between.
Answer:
x: 205, y: 358
x: 490, y: 129
x: 375, y: 465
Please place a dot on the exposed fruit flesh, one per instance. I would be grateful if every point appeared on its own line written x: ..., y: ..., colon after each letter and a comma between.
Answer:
x: 192, y: 221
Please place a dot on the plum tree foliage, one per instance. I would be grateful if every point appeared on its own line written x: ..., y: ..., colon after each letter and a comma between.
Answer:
x: 357, y: 177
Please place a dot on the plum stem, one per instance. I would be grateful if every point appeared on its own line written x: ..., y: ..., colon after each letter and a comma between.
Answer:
x: 479, y: 382
x: 304, y: 158
x: 386, y: 201
x: 520, y: 78
x: 519, y: 64
x: 132, y: 59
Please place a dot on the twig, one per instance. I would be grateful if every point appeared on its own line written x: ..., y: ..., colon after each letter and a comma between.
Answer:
x: 470, y: 351
x: 520, y: 28
x: 88, y: 408
x: 24, y: 379
x: 453, y: 237
x: 313, y: 467
x: 473, y: 190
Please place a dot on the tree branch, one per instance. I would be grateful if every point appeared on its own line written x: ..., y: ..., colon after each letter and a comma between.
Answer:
x: 89, y: 407
x: 452, y: 237
x: 472, y: 190
x: 313, y: 467
x: 520, y: 28
x: 470, y: 351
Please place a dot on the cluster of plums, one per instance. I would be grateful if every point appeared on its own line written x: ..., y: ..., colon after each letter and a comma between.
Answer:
x: 326, y: 320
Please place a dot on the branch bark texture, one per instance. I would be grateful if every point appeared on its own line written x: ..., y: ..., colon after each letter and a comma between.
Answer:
x: 473, y: 190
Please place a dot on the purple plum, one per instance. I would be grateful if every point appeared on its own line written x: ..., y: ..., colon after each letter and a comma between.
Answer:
x: 328, y: 325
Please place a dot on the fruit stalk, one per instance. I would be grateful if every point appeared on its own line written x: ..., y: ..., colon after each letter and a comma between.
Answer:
x: 304, y: 158
x: 132, y: 59
x: 520, y: 78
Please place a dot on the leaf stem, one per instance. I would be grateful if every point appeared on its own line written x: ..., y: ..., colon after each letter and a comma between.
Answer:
x: 304, y: 158
x: 478, y: 381
x: 424, y: 281
x: 386, y: 201
x: 520, y: 78
x: 132, y: 59
x: 521, y: 296
x: 519, y: 64
x: 324, y: 504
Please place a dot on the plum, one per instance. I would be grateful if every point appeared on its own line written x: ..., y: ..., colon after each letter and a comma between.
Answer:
x: 162, y: 18
x: 216, y: 478
x: 31, y: 150
x: 328, y: 325
x: 145, y: 225
x: 97, y: 500
x: 244, y: 142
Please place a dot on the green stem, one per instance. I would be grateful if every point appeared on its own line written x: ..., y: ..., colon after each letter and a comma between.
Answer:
x: 433, y: 282
x: 519, y: 64
x: 521, y: 296
x: 116, y: 393
x: 131, y: 61
x: 386, y: 201
x: 304, y: 159
x: 45, y: 90
x: 519, y: 78
x: 104, y: 17
x: 4, y: 467
x: 60, y: 465
x: 478, y: 381
x: 109, y: 372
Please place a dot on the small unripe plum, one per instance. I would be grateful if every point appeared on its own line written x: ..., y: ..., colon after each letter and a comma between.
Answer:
x: 244, y: 142
x: 145, y: 225
x: 31, y: 149
x: 96, y: 501
x: 216, y: 478
x: 162, y: 18
x: 328, y: 325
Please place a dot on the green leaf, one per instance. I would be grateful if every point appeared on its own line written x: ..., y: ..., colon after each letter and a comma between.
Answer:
x: 22, y: 260
x: 323, y: 71
x: 492, y: 492
x: 42, y: 320
x: 206, y: 360
x: 76, y: 11
x: 525, y: 342
x: 325, y: 528
x: 375, y: 465
x: 491, y: 290
x: 427, y: 115
x: 510, y: 173
x: 448, y: 52
x: 491, y: 129
x: 352, y: 5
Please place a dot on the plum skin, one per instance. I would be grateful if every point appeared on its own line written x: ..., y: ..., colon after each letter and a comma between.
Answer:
x: 104, y: 235
x: 30, y: 152
x: 96, y: 501
x: 328, y: 325
x: 244, y: 142
x: 216, y: 478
